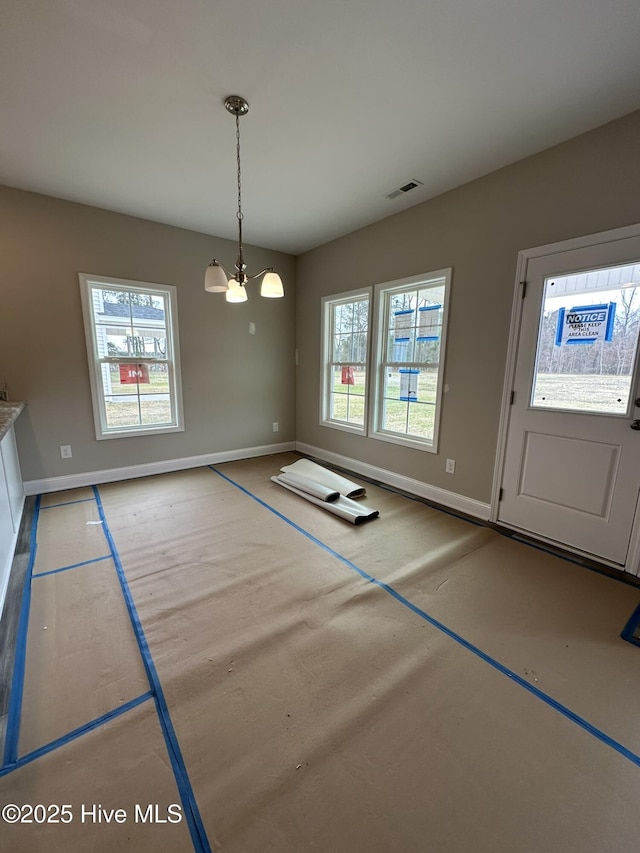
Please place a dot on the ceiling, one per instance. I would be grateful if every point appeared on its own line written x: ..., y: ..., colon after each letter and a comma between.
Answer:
x: 119, y: 103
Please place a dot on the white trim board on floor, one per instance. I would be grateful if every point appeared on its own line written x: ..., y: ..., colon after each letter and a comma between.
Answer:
x: 443, y: 497
x: 110, y: 475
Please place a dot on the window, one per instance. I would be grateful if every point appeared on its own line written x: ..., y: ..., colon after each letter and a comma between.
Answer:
x: 345, y: 335
x: 132, y: 344
x: 410, y: 343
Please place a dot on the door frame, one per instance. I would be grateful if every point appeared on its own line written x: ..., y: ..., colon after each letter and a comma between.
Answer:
x: 632, y: 565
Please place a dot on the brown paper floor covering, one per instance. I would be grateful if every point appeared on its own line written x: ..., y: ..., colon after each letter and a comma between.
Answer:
x: 418, y: 684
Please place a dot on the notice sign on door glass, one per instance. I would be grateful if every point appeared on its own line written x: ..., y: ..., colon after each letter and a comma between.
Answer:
x: 585, y: 324
x: 587, y: 341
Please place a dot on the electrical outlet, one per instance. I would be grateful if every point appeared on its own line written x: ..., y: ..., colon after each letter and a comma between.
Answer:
x: 276, y: 426
x: 450, y: 466
x: 4, y: 395
x: 65, y: 451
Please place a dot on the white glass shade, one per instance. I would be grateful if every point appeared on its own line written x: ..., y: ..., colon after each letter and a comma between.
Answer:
x: 236, y: 292
x: 272, y: 286
x: 215, y: 279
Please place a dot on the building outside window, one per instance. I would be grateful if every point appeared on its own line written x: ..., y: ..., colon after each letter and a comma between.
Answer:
x: 132, y: 344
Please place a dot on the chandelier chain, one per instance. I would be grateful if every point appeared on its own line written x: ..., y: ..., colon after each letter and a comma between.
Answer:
x: 239, y: 214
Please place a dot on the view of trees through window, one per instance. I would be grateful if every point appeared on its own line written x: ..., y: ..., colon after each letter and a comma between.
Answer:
x: 349, y: 331
x: 592, y: 373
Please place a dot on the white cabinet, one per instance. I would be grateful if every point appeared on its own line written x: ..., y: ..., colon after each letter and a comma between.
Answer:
x: 11, y: 504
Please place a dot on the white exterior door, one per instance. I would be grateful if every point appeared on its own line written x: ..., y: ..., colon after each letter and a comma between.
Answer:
x: 571, y: 470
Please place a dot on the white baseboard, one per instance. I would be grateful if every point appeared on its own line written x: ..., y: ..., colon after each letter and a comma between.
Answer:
x: 445, y: 498
x: 110, y: 475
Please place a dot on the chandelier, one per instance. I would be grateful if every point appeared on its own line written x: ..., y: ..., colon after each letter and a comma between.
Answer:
x: 217, y: 279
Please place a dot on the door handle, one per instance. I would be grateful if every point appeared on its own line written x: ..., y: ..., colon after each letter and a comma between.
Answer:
x: 636, y: 402
x: 635, y: 424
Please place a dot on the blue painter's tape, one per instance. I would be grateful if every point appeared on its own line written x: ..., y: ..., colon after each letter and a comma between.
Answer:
x: 190, y: 806
x: 76, y: 733
x: 631, y: 631
x: 74, y: 566
x: 560, y: 327
x: 611, y: 316
x: 14, y: 712
x: 475, y: 650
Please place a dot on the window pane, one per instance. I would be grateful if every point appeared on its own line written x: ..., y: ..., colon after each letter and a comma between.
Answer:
x: 415, y: 326
x: 342, y: 347
x: 421, y: 419
x: 587, y: 341
x: 350, y: 328
x: 136, y: 410
x: 157, y: 411
x: 129, y: 323
x: 428, y: 385
x: 343, y: 317
x: 348, y: 394
x: 122, y: 413
x: 409, y: 402
x: 136, y: 394
x: 395, y: 416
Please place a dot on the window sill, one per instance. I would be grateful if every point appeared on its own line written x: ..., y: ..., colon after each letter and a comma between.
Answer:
x: 414, y: 443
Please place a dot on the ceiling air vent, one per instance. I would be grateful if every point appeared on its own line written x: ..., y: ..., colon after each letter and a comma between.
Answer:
x: 405, y: 188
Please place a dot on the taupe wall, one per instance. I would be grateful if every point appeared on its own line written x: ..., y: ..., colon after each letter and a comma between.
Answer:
x: 589, y: 184
x: 235, y: 385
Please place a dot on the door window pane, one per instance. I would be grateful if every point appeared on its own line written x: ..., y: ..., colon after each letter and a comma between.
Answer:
x: 587, y: 341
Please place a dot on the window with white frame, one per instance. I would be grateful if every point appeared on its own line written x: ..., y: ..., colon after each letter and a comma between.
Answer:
x: 410, y: 344
x: 132, y: 344
x: 345, y: 336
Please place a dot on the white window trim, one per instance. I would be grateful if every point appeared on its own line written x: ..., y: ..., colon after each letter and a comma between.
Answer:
x: 95, y: 372
x: 325, y: 366
x: 379, y: 347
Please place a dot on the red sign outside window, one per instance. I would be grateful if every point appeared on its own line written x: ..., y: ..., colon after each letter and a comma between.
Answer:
x: 130, y: 374
x: 348, y: 376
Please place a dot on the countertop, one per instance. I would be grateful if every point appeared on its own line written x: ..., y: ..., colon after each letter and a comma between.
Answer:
x: 8, y: 415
